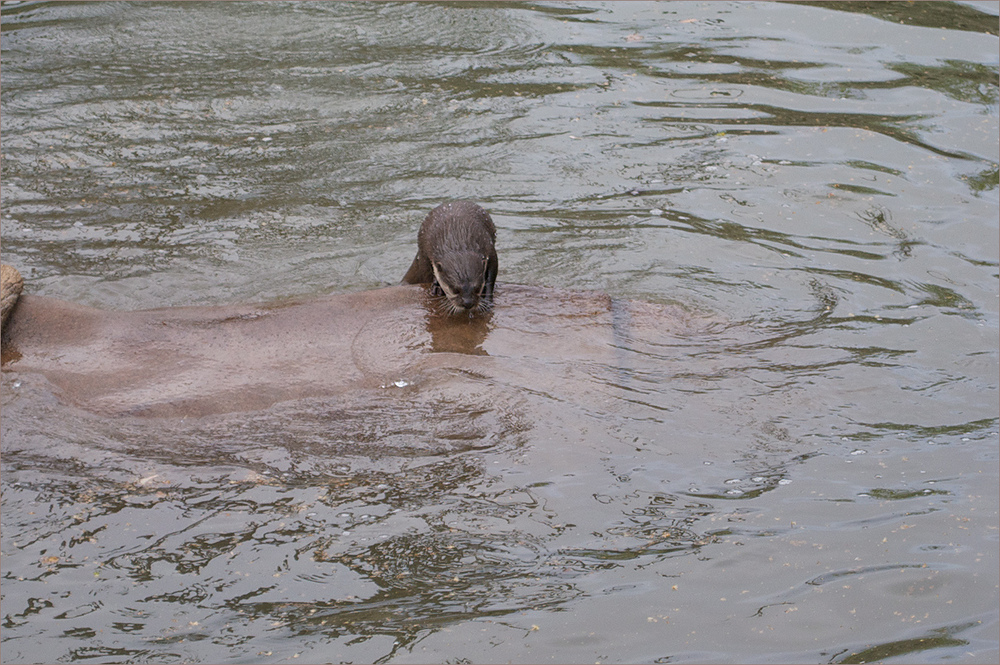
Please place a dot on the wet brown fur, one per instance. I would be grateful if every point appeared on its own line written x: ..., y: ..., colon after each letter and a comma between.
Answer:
x: 456, y: 252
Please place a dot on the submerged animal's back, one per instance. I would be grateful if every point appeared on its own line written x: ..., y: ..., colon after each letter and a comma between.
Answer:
x: 10, y: 289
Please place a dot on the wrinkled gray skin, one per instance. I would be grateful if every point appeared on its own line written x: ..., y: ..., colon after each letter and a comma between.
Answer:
x: 196, y: 361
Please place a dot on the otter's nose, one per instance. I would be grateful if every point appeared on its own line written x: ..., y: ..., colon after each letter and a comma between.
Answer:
x: 469, y: 301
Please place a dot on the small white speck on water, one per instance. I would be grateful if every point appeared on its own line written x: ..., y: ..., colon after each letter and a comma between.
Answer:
x: 399, y: 383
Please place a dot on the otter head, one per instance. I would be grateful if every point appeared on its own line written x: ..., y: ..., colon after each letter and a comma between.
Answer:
x: 465, y: 279
x: 456, y: 253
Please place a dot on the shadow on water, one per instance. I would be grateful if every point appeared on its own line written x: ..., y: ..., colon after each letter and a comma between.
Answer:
x: 929, y: 15
x: 935, y: 639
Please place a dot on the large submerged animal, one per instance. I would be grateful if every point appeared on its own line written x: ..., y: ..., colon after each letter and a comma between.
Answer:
x: 196, y: 361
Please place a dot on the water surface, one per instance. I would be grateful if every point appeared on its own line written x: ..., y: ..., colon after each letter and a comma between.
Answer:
x: 811, y: 478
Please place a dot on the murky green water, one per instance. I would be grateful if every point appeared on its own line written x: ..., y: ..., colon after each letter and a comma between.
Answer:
x: 815, y: 479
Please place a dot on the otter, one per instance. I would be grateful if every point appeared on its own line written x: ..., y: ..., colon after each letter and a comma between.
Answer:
x: 456, y: 253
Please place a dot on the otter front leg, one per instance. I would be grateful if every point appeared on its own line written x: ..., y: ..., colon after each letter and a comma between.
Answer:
x: 490, y: 278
